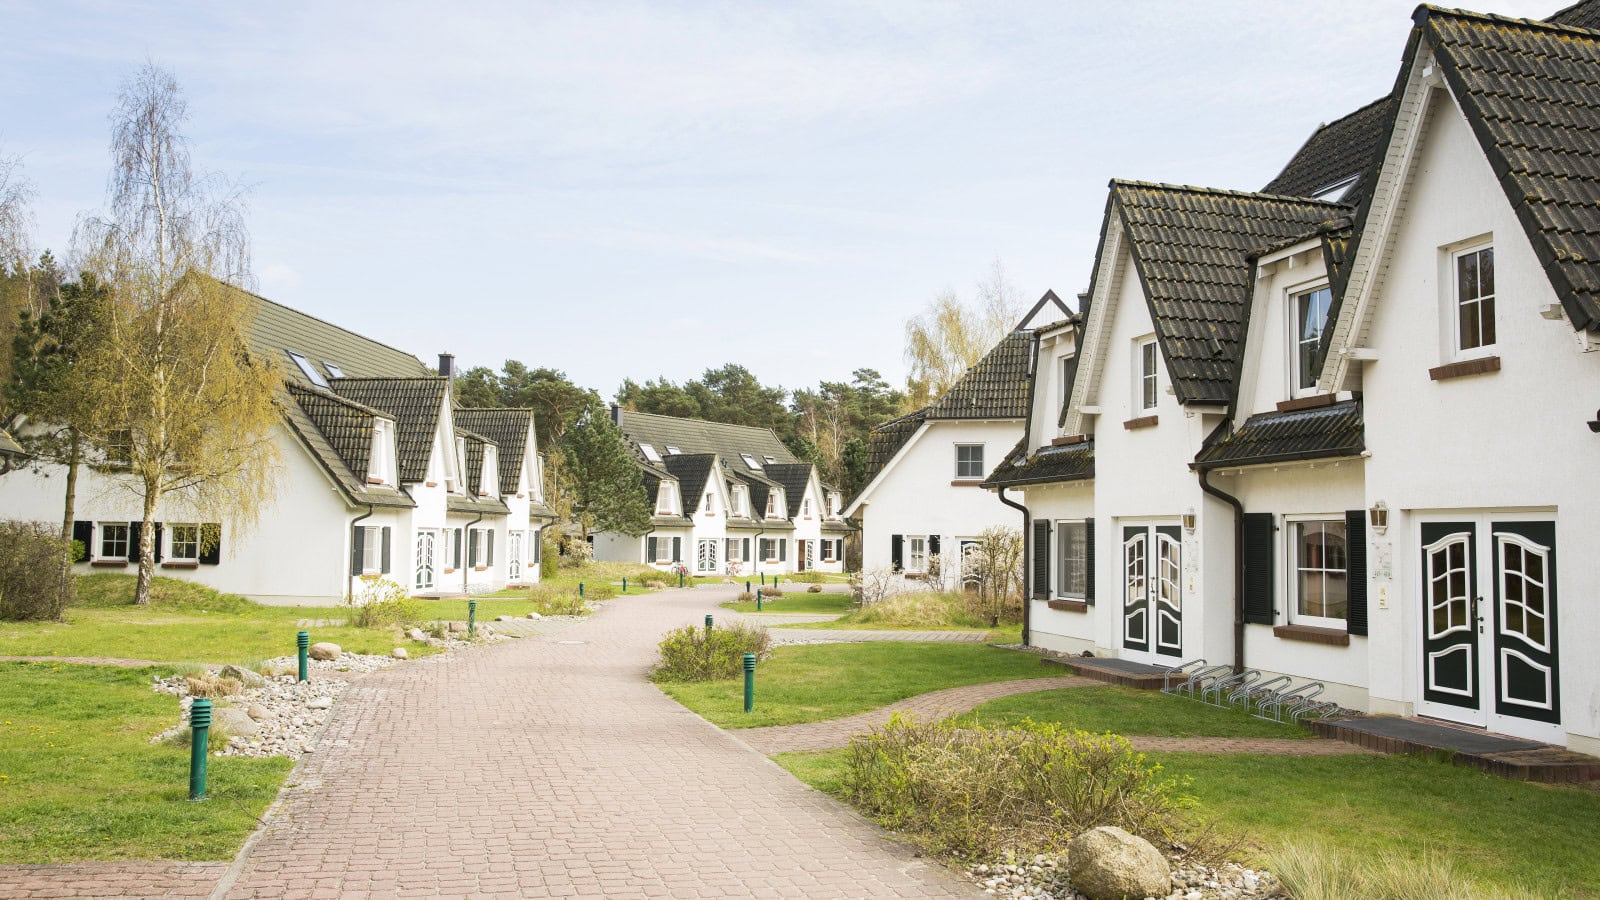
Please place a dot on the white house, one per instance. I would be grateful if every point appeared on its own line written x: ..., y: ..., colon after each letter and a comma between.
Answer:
x: 1336, y: 435
x: 922, y: 504
x: 379, y: 476
x: 726, y: 500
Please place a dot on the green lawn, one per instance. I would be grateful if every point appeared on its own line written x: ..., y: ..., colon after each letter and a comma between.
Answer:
x: 798, y: 602
x: 186, y: 623
x: 814, y: 682
x: 79, y: 778
x: 1128, y: 711
x: 1504, y: 833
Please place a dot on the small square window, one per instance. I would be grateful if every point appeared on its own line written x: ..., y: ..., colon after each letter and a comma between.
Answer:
x: 1474, y: 306
x: 184, y: 543
x: 969, y: 460
x: 114, y: 541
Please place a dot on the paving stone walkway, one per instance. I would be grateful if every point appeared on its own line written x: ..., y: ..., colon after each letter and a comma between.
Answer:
x: 110, y: 879
x: 548, y: 767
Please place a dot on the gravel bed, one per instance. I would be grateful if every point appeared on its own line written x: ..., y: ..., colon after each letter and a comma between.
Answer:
x: 1045, y: 878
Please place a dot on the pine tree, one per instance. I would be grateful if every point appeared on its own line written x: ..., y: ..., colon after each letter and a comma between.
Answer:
x: 607, y: 490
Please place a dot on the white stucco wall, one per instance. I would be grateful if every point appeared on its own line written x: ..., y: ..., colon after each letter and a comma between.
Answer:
x: 1062, y: 631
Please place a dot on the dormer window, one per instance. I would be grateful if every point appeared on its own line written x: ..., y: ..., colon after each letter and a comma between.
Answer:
x: 489, y: 484
x: 833, y: 506
x: 710, y: 505
x: 307, y: 369
x: 1144, y: 390
x: 650, y: 453
x: 750, y: 461
x: 772, y: 504
x: 461, y: 462
x: 380, y: 469
x: 1309, y: 312
x: 333, y: 370
x: 664, y: 499
x: 738, y: 503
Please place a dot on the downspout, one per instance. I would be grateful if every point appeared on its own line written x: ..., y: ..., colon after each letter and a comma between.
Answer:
x: 466, y: 540
x: 353, y: 523
x: 1027, y: 559
x: 1238, y: 547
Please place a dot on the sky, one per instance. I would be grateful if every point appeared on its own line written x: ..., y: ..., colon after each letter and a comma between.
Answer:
x: 635, y: 190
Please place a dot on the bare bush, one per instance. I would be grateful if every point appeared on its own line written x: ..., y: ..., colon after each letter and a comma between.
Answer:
x: 32, y: 586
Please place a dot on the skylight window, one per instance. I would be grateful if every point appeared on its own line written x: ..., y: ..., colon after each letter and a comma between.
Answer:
x: 673, y: 451
x: 750, y: 461
x: 771, y: 460
x: 333, y: 370
x: 307, y: 369
x: 650, y: 453
x: 1336, y: 191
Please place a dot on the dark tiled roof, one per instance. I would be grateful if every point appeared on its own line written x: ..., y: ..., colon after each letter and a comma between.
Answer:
x: 1189, y: 247
x: 414, y: 403
x: 1579, y: 15
x: 1325, y: 431
x: 693, y: 471
x: 887, y: 439
x: 474, y: 444
x: 700, y: 436
x: 1531, y: 93
x: 346, y: 425
x: 793, y: 478
x: 509, y: 429
x: 1072, y: 462
x: 995, y: 388
x: 1336, y: 151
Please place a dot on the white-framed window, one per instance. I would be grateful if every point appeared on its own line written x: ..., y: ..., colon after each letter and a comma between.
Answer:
x: 1473, y: 277
x: 333, y: 370
x: 1308, y: 313
x: 772, y: 503
x: 659, y: 549
x: 650, y: 453
x: 372, y: 549
x: 665, y: 498
x: 916, y: 553
x: 750, y: 461
x: 113, y: 540
x: 711, y: 501
x: 183, y: 542
x: 772, y: 550
x: 1145, y: 378
x: 1072, y: 559
x: 673, y: 451
x: 1319, y: 563
x: 461, y: 464
x: 480, y: 548
x: 307, y: 368
x: 805, y: 507
x: 489, y: 484
x: 830, y: 550
x: 381, y: 468
x: 735, y: 550
x: 969, y: 460
x: 833, y: 505
x: 741, y: 503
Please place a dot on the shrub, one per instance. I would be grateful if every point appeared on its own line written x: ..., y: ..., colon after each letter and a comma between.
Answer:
x: 745, y: 597
x: 382, y: 602
x: 1315, y: 872
x: 549, y: 600
x: 919, y: 610
x: 31, y: 582
x: 211, y: 686
x: 693, y: 653
x: 814, y: 589
x: 868, y: 587
x: 773, y: 591
x: 974, y: 792
x: 549, y: 554
x: 579, y: 553
x: 806, y: 577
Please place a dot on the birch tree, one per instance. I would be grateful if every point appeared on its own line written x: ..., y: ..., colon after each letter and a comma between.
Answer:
x: 189, y: 410
x: 951, y: 335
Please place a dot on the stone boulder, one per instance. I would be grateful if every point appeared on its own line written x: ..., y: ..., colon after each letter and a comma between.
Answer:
x: 325, y: 651
x: 1107, y: 863
x: 235, y: 722
x: 244, y: 676
x: 320, y: 703
x: 534, y: 615
x: 458, y: 628
x: 399, y: 653
x: 417, y: 634
x: 258, y: 712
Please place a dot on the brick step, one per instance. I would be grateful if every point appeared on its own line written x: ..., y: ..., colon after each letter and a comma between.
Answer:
x: 1507, y: 757
x: 1113, y: 671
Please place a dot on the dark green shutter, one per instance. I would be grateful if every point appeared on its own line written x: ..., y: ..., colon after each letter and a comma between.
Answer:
x: 747, y: 550
x: 1260, y: 588
x: 650, y: 549
x: 358, y: 539
x: 1355, y: 537
x: 897, y: 545
x: 783, y: 549
x: 158, y: 542
x: 1088, y: 560
x: 933, y: 545
x: 677, y: 549
x: 1041, y: 559
x: 83, y: 533
x: 134, y: 529
x: 455, y: 557
x: 488, y: 537
x: 210, y: 544
x: 472, y: 546
x: 385, y: 567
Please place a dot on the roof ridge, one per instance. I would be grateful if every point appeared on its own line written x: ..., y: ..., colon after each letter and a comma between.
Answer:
x: 295, y: 388
x: 766, y: 428
x: 1227, y: 192
x: 428, y: 378
x: 301, y: 312
x: 474, y: 409
x: 1427, y: 11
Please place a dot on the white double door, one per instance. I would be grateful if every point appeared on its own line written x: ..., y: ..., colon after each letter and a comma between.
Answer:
x: 1489, y: 656
x: 1152, y: 592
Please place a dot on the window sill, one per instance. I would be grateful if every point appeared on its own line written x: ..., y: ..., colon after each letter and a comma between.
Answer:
x: 967, y: 482
x: 1141, y: 422
x: 1068, y: 440
x: 110, y: 564
x: 1312, y: 634
x: 480, y: 568
x: 373, y: 479
x: 181, y: 564
x: 430, y: 484
x: 1077, y: 606
x: 1480, y: 366
x: 1312, y: 402
x: 448, y: 571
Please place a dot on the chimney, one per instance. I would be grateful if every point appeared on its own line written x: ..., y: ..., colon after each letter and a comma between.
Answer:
x: 447, y: 365
x: 616, y: 415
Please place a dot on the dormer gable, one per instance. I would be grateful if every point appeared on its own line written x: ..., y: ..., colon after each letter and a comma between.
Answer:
x: 381, y: 465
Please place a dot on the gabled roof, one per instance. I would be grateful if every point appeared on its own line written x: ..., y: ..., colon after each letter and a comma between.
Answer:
x: 1190, y: 250
x: 509, y: 429
x: 474, y: 444
x: 794, y: 479
x: 1073, y: 462
x: 1531, y: 93
x: 277, y: 328
x: 415, y: 404
x: 1579, y: 15
x: 692, y: 470
x: 1336, y: 152
x: 1325, y: 431
x: 346, y: 425
x: 995, y: 388
x: 887, y: 439
x: 700, y: 436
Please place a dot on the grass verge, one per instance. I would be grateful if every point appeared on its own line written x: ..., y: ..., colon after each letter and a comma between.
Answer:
x: 814, y: 682
x: 1503, y: 834
x: 80, y: 780
x: 798, y: 603
x: 1127, y: 711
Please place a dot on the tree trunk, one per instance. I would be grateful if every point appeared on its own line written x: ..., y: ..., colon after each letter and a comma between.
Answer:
x: 147, y: 549
x: 70, y: 509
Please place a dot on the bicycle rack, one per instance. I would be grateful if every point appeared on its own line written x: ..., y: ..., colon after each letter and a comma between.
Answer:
x: 1182, y: 669
x: 1287, y: 702
x: 1198, y: 679
x: 1214, y: 693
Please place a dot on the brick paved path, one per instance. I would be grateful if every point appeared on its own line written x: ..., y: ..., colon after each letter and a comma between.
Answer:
x: 110, y: 879
x: 545, y: 767
x: 932, y: 705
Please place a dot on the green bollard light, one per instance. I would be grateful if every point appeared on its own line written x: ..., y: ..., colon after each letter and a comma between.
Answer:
x: 763, y: 578
x: 758, y: 600
x: 708, y: 624
x: 303, y: 641
x: 624, y: 585
x: 472, y: 618
x: 199, y: 744
x: 680, y: 579
x: 747, y: 587
x: 749, y: 681
x: 580, y: 590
